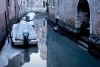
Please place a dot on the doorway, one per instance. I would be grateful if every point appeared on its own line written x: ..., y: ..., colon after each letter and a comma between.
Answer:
x: 43, y: 4
x: 84, y: 14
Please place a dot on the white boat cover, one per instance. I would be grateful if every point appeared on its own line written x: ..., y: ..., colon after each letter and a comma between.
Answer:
x: 31, y: 22
x: 31, y: 16
x: 18, y: 29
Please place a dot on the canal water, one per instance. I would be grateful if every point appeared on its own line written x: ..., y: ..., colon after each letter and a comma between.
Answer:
x: 52, y: 50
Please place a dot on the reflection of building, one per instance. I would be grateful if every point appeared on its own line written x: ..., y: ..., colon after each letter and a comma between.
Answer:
x: 22, y: 58
x: 43, y: 51
x: 22, y: 6
x: 42, y: 32
x: 52, y: 51
x: 17, y: 61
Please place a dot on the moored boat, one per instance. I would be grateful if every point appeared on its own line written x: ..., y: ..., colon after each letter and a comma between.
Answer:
x: 23, y: 33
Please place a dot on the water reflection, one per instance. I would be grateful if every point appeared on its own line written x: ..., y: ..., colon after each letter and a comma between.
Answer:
x: 41, y: 27
x: 63, y: 52
x: 22, y: 58
x: 26, y: 56
x: 39, y: 59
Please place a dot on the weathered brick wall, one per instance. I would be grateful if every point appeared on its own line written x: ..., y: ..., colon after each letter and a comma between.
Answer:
x: 97, y: 18
x: 2, y: 13
x: 2, y: 20
x: 51, y: 9
x: 11, y: 14
x: 67, y: 11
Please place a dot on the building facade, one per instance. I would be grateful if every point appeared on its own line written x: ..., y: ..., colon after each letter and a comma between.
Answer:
x: 81, y: 15
x: 9, y: 13
x: 11, y: 10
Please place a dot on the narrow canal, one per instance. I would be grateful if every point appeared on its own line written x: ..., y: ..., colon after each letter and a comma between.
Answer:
x: 53, y: 50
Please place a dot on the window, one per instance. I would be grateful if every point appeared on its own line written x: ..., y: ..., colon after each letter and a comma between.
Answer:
x: 43, y: 35
x: 44, y: 23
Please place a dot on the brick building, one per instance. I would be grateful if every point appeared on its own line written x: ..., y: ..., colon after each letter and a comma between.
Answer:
x: 78, y: 16
x: 9, y: 13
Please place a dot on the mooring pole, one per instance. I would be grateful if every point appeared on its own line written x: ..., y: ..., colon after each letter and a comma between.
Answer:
x: 7, y: 18
x: 6, y: 26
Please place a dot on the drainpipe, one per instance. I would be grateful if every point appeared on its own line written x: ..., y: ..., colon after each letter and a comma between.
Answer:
x: 15, y: 11
x: 58, y: 8
x: 7, y: 18
x: 7, y: 9
x: 47, y: 5
x: 57, y: 16
x: 6, y: 26
x: 6, y: 23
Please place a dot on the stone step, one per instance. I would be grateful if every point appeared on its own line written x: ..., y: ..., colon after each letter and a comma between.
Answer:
x: 84, y: 38
x: 83, y: 48
x: 83, y: 44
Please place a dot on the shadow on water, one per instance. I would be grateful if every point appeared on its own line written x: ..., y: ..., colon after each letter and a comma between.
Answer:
x: 24, y: 46
x: 23, y: 57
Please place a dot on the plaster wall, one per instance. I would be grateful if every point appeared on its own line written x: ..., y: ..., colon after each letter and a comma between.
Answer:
x: 2, y: 13
x: 68, y: 12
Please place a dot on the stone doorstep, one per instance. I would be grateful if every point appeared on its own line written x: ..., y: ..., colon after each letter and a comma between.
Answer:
x: 85, y: 45
x: 83, y: 41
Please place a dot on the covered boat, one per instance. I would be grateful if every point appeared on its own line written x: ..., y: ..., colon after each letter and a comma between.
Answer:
x: 23, y: 33
x: 29, y: 18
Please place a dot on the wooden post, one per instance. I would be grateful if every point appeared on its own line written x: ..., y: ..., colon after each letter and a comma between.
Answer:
x: 6, y: 26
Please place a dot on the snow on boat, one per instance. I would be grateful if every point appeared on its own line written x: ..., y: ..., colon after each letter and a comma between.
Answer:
x: 23, y: 33
x: 31, y: 15
x: 29, y: 18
